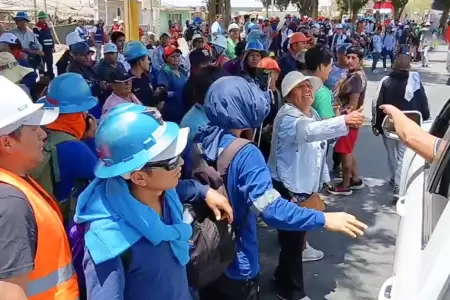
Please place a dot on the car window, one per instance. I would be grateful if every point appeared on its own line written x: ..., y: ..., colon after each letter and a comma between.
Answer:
x: 438, y: 194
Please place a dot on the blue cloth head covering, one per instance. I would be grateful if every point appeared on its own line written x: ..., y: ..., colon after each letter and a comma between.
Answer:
x: 233, y: 103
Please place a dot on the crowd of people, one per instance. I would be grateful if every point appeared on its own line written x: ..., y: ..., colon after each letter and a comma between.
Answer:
x: 100, y: 168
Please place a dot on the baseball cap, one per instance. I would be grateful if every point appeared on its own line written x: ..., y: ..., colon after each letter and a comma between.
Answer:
x: 170, y: 50
x: 199, y: 57
x: 110, y: 48
x: 8, y: 37
x: 18, y: 109
x: 119, y: 75
x: 80, y: 48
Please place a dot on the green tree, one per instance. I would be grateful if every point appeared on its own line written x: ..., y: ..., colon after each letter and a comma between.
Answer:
x: 399, y: 6
x: 351, y: 6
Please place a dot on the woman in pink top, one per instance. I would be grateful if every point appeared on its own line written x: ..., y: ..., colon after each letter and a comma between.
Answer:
x: 120, y: 83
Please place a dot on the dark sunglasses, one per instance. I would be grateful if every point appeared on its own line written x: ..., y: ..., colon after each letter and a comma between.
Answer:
x: 168, y: 164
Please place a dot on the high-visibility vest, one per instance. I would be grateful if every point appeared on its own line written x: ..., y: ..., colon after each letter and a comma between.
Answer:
x: 53, y: 277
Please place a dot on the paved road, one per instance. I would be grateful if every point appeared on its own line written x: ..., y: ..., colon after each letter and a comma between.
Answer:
x: 355, y: 269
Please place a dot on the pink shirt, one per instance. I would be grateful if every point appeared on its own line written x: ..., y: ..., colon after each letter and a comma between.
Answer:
x: 114, y: 100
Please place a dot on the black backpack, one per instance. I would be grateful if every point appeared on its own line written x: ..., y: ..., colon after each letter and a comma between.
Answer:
x: 213, y: 243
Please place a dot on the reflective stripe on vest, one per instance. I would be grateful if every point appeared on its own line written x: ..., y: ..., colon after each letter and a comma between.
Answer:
x: 53, y: 279
x: 48, y: 42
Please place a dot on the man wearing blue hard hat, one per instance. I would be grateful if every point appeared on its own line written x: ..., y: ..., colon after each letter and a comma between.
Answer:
x: 133, y: 211
x: 141, y: 69
x: 30, y: 44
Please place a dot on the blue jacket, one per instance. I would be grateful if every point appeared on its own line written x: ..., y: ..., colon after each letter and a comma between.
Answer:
x: 173, y: 110
x: 250, y: 191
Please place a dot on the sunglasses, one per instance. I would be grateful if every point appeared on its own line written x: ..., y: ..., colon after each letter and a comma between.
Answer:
x: 168, y: 164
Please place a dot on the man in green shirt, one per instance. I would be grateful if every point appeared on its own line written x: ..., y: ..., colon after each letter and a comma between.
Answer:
x: 232, y: 40
x: 318, y: 64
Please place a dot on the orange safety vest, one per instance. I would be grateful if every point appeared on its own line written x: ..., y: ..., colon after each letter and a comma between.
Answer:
x: 53, y: 277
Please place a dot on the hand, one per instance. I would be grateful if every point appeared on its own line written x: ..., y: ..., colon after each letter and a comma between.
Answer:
x: 355, y: 118
x: 40, y: 53
x: 219, y: 205
x: 91, y: 127
x: 345, y: 223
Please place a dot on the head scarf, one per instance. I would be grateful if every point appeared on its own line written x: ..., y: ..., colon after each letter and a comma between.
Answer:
x: 241, y: 107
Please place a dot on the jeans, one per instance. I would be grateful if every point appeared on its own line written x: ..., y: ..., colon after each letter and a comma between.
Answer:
x: 289, y: 272
x: 395, y: 151
x: 385, y: 53
x: 425, y: 55
x: 375, y: 58
x: 98, y: 52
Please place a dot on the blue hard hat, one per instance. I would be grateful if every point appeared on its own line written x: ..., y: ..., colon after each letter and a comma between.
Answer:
x: 133, y: 50
x: 255, y: 45
x: 71, y: 93
x: 131, y: 136
x: 21, y: 15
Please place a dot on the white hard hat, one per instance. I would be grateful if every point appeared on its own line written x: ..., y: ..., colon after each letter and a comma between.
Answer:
x: 292, y: 79
x: 197, y: 36
x: 73, y: 38
x: 233, y: 26
x: 260, y: 18
x: 115, y: 20
x: 428, y: 24
x: 121, y: 22
x: 220, y: 41
x: 18, y: 109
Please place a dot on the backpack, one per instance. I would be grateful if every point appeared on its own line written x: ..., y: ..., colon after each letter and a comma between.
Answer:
x: 47, y: 174
x: 213, y: 243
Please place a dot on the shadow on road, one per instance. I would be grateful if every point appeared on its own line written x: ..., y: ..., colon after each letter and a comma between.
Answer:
x: 348, y: 263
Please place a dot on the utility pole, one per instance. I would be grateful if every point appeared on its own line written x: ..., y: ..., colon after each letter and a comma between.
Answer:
x: 35, y: 10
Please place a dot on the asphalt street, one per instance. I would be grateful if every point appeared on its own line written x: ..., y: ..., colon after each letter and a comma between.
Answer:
x: 356, y: 269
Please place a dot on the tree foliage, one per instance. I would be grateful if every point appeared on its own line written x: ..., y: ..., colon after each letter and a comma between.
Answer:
x: 352, y: 6
x: 399, y: 6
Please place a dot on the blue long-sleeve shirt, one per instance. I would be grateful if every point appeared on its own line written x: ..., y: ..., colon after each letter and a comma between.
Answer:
x: 173, y: 110
x: 250, y: 191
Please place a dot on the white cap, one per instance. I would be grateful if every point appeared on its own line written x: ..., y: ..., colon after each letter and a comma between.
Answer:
x: 8, y: 37
x: 292, y: 79
x: 116, y: 19
x: 233, y: 26
x: 121, y: 22
x: 197, y: 36
x: 73, y: 38
x: 18, y: 109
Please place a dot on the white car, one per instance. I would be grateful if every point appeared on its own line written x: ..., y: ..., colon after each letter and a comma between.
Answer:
x: 422, y: 254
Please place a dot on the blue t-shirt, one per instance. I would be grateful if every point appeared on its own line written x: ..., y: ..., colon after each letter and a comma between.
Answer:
x: 152, y: 272
x: 335, y: 76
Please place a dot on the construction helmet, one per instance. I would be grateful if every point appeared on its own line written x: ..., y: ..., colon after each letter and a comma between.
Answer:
x: 42, y: 15
x: 268, y: 63
x: 134, y: 50
x: 131, y: 136
x: 70, y: 92
x: 233, y: 26
x: 220, y: 41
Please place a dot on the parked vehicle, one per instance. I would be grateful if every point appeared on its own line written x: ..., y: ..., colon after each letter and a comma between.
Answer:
x: 422, y: 255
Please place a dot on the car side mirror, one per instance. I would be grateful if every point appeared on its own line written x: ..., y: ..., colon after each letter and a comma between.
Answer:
x: 389, y: 128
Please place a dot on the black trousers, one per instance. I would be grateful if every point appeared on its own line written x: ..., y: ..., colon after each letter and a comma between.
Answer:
x: 225, y: 288
x: 47, y: 62
x: 289, y: 273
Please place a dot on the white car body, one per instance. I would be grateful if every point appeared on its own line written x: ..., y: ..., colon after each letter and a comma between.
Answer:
x: 422, y: 255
